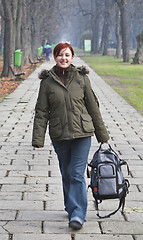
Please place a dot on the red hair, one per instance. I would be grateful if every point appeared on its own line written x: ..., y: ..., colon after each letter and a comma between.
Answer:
x: 61, y: 46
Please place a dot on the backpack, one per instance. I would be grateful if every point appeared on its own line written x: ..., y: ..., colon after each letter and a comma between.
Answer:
x: 106, y: 178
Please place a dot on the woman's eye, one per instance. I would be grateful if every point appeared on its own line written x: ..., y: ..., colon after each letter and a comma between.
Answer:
x: 61, y: 55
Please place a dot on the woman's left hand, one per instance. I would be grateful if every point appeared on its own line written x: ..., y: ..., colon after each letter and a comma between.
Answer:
x: 104, y: 142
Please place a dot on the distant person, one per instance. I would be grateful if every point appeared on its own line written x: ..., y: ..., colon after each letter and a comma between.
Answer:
x: 47, y: 50
x: 67, y: 102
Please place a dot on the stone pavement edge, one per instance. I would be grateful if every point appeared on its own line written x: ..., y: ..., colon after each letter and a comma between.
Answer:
x: 31, y: 201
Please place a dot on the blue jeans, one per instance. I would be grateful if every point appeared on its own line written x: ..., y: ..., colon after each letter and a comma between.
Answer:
x: 47, y: 56
x: 72, y: 156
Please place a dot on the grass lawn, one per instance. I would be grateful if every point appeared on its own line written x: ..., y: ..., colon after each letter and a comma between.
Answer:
x: 125, y: 78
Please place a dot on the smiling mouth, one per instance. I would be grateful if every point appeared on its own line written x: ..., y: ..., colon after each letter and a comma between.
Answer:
x: 63, y: 62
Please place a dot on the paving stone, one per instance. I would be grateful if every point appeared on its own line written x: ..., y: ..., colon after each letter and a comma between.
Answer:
x: 102, y: 237
x: 43, y: 196
x: 23, y: 188
x: 137, y: 174
x: 54, y: 205
x: 44, y: 180
x: 135, y: 196
x: 138, y: 237
x: 11, y: 180
x: 21, y: 205
x: 4, y: 237
x: 122, y: 228
x: 43, y: 237
x: 43, y: 216
x: 2, y: 173
x: 30, y: 161
x: 136, y: 181
x: 14, y: 168
x: 141, y: 187
x: 92, y: 216
x: 37, y: 173
x: 62, y: 227
x: 112, y: 205
x: 7, y: 215
x: 10, y: 196
x: 21, y: 226
x: 69, y: 237
x: 2, y: 229
x: 134, y: 214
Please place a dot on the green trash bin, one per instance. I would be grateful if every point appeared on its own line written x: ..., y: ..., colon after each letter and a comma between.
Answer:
x: 18, y: 55
x: 53, y: 46
x: 41, y: 49
x: 38, y: 52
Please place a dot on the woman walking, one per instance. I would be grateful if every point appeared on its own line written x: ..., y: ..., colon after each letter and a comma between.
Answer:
x: 66, y: 101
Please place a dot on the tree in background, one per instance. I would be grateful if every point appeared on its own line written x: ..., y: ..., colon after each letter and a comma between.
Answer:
x: 96, y: 19
x: 9, y: 16
x: 138, y: 58
x: 124, y: 30
x: 118, y: 33
x: 108, y: 6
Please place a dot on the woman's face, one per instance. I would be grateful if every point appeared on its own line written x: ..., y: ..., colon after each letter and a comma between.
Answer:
x: 64, y: 58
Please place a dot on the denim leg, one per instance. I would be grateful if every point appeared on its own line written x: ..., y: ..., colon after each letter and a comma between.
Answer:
x: 47, y: 56
x: 62, y: 149
x: 72, y: 156
x: 77, y: 201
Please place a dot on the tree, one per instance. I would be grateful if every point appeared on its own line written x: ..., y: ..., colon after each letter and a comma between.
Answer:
x: 25, y: 32
x: 95, y: 25
x: 118, y: 33
x: 138, y: 58
x: 122, y: 5
x: 106, y: 26
x: 18, y: 23
x: 9, y: 14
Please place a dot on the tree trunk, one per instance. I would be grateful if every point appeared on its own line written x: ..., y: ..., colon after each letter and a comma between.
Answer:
x: 25, y: 34
x: 124, y: 34
x: 122, y: 6
x: 9, y: 37
x: 95, y: 23
x: 102, y: 39
x: 18, y: 25
x: 35, y: 30
x: 106, y: 27
x: 118, y: 34
x: 138, y: 58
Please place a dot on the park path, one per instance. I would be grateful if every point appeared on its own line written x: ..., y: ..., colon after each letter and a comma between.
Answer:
x: 31, y: 201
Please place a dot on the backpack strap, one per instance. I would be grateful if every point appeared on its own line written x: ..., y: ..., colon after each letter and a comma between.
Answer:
x: 123, y: 162
x: 88, y: 172
x: 121, y: 204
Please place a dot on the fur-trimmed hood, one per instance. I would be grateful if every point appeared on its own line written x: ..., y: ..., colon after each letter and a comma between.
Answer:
x: 83, y: 70
x: 45, y: 73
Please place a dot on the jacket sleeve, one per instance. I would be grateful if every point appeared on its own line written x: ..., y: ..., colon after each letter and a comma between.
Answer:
x: 92, y: 106
x: 41, y: 117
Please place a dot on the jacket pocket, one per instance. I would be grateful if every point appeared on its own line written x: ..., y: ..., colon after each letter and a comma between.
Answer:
x: 55, y: 129
x: 87, y: 123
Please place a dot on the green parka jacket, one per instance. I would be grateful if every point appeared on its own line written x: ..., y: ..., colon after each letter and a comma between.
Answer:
x: 72, y: 110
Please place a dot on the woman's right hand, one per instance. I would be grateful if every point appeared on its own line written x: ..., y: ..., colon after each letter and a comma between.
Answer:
x: 37, y: 146
x: 104, y: 142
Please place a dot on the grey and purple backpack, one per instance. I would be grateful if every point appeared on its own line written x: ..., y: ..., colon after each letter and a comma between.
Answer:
x: 106, y: 178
